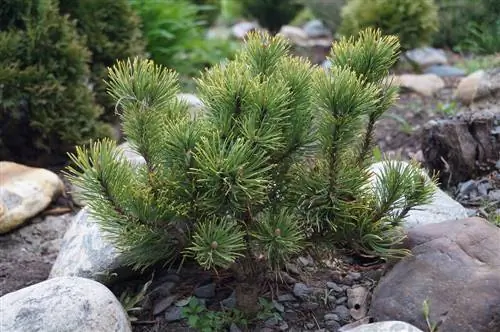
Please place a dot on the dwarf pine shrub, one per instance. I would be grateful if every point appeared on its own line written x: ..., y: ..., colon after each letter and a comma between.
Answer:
x: 279, y: 162
x: 46, y: 106
x: 414, y: 21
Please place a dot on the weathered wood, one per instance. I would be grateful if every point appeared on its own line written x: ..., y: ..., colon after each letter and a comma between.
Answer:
x: 462, y: 147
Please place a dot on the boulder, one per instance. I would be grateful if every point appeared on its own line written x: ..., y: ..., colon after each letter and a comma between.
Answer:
x: 85, y: 251
x: 442, y: 208
x: 63, y: 305
x: 316, y: 29
x: 388, y: 326
x: 478, y: 86
x: 195, y: 104
x: 427, y: 56
x: 24, y: 192
x: 425, y: 84
x: 241, y: 29
x: 445, y: 71
x: 296, y: 35
x: 462, y: 147
x: 455, y: 266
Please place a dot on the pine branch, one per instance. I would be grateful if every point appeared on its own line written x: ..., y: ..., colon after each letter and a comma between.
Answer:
x: 279, y: 235
x: 216, y: 243
x: 119, y: 202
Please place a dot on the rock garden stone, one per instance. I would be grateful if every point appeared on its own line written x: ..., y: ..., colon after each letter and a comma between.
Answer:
x: 24, y: 192
x: 316, y: 29
x: 295, y: 34
x: 241, y: 29
x: 85, y: 252
x: 427, y: 56
x: 387, y: 326
x: 195, y: 104
x: 442, y: 208
x: 456, y: 267
x: 130, y: 154
x: 425, y: 84
x: 482, y: 84
x: 445, y: 71
x: 65, y: 304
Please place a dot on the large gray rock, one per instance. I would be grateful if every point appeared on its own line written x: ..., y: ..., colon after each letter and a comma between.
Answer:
x: 388, y: 326
x: 63, y: 305
x: 85, y: 252
x: 454, y: 265
x: 424, y: 84
x: 442, y: 208
x: 427, y: 56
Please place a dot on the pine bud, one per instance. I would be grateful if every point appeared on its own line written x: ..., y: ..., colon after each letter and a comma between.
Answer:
x: 214, y: 245
x: 277, y: 232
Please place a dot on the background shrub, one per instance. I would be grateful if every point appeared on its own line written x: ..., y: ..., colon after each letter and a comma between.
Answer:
x: 271, y: 14
x: 46, y: 106
x: 461, y: 20
x: 112, y: 31
x: 413, y: 21
x: 176, y: 36
x: 208, y: 10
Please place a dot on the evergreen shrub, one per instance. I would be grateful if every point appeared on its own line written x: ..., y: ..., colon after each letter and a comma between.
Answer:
x: 460, y: 20
x: 413, y: 21
x: 208, y: 10
x: 271, y: 14
x: 112, y: 31
x: 279, y: 164
x: 46, y: 106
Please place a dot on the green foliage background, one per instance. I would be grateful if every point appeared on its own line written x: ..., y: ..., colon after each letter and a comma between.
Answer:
x: 413, y: 21
x: 46, y: 106
x: 112, y: 32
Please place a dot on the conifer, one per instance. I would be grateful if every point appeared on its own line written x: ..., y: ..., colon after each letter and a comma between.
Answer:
x: 278, y: 164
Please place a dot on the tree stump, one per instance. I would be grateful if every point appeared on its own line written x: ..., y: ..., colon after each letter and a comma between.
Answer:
x: 463, y: 147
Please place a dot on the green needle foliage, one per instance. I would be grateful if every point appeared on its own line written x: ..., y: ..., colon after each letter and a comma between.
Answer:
x: 280, y: 161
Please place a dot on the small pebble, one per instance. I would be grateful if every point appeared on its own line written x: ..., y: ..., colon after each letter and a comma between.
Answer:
x: 310, y: 305
x: 230, y: 301
x: 343, y: 312
x: 333, y: 286
x: 273, y: 321
x: 283, y: 326
x: 354, y: 275
x: 331, y: 317
x: 206, y: 291
x: 341, y: 300
x: 163, y: 304
x: 286, y: 298
x: 301, y: 290
x: 332, y: 324
x: 278, y: 306
x: 173, y: 314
